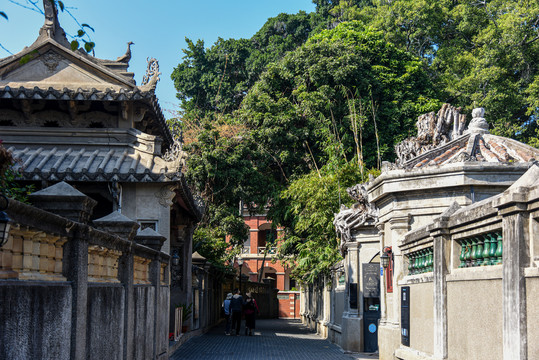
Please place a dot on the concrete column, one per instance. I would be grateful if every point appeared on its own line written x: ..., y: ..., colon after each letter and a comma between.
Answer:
x: 154, y: 277
x: 398, y: 226
x: 352, y: 276
x: 76, y: 271
x: 125, y: 274
x: 515, y: 259
x: 440, y: 244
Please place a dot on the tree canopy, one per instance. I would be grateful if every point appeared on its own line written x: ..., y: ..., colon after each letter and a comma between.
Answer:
x: 300, y: 111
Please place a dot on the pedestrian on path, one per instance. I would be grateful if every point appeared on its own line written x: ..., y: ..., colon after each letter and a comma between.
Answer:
x: 250, y: 310
x: 236, y: 305
x: 226, y: 309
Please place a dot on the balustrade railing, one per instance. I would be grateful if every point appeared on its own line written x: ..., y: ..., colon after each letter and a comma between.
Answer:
x: 481, y: 250
x: 271, y: 251
x: 421, y: 261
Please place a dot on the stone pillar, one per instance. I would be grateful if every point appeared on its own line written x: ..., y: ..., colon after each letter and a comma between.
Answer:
x: 512, y: 208
x: 352, y: 321
x: 76, y: 271
x: 398, y: 226
x: 441, y: 240
x: 154, y: 277
x: 126, y: 265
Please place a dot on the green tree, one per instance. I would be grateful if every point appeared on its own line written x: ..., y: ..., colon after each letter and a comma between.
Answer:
x: 301, y: 107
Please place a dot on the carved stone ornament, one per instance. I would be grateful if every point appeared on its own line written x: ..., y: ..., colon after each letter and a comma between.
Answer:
x: 433, y: 130
x: 149, y: 81
x: 51, y: 60
x: 360, y: 214
x: 478, y: 123
x: 166, y: 194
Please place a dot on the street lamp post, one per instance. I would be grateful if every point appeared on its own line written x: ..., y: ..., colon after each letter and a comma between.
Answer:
x: 240, y: 263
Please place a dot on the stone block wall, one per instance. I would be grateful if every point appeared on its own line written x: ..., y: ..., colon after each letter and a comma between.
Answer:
x: 71, y: 291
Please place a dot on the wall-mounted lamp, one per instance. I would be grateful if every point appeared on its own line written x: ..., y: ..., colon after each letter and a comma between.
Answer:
x: 175, y: 258
x: 4, y: 220
x: 387, y: 256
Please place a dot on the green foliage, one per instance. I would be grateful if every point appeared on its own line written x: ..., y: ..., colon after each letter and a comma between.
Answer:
x: 9, y: 185
x: 187, y: 310
x: 479, y: 54
x: 294, y: 115
x: 306, y: 209
x: 216, y: 79
x: 300, y: 108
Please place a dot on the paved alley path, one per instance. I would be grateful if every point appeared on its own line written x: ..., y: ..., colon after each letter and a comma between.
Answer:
x: 273, y: 339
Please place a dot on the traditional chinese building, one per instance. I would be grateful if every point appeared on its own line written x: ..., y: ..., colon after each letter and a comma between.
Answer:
x: 69, y: 116
x: 457, y: 229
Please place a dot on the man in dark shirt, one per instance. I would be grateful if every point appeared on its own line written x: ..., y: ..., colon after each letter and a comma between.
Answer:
x: 236, y: 305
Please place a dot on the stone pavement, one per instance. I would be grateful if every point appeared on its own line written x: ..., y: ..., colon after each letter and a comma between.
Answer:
x: 273, y: 339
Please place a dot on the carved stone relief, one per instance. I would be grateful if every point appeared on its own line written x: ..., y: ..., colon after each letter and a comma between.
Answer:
x: 51, y: 60
x: 166, y: 194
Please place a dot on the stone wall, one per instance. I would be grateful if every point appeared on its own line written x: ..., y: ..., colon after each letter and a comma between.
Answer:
x: 71, y: 291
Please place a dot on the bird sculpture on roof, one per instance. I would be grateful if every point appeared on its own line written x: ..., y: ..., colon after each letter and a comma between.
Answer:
x: 127, y: 56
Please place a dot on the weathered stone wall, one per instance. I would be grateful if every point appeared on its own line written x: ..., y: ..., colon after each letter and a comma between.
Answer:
x: 106, y: 326
x: 35, y: 320
x: 71, y: 291
x: 144, y: 321
x: 474, y: 319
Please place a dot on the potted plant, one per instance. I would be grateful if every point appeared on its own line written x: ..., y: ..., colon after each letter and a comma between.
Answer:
x: 187, y: 310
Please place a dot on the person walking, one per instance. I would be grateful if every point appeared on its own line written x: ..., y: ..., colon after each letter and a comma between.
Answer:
x: 236, y: 305
x: 250, y: 310
x: 226, y: 309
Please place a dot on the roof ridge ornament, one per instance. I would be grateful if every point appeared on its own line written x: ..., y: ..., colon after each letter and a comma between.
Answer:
x: 51, y: 29
x: 127, y: 56
x: 479, y: 124
x: 149, y: 81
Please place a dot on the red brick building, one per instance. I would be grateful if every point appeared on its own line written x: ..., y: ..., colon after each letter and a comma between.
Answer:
x: 258, y: 253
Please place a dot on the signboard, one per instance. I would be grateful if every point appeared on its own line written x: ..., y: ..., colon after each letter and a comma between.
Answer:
x: 283, y: 296
x: 405, y: 315
x: 371, y: 280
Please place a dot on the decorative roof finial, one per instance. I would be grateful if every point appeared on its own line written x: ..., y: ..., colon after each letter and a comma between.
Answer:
x: 52, y: 29
x: 127, y: 56
x: 478, y: 123
x: 149, y: 81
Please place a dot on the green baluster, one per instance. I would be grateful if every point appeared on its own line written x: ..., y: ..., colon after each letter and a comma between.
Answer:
x: 492, y: 251
x: 474, y: 252
x: 468, y: 252
x: 431, y: 259
x: 486, y: 250
x: 462, y: 253
x: 410, y: 264
x: 479, y: 254
x: 499, y: 249
x: 416, y: 262
x: 424, y: 261
x: 421, y: 262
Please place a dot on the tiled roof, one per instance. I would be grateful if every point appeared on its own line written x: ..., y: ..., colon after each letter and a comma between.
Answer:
x: 475, y: 147
x: 107, y: 94
x: 94, y: 94
x: 92, y: 163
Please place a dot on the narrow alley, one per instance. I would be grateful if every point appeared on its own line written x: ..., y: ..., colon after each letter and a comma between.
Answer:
x: 273, y: 339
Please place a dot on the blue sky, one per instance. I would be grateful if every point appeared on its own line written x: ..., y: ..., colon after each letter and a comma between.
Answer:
x: 158, y: 28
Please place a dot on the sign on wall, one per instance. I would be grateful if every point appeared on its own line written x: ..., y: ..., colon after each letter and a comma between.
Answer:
x: 371, y: 280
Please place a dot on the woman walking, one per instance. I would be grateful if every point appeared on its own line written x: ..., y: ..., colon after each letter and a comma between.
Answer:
x: 250, y: 311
